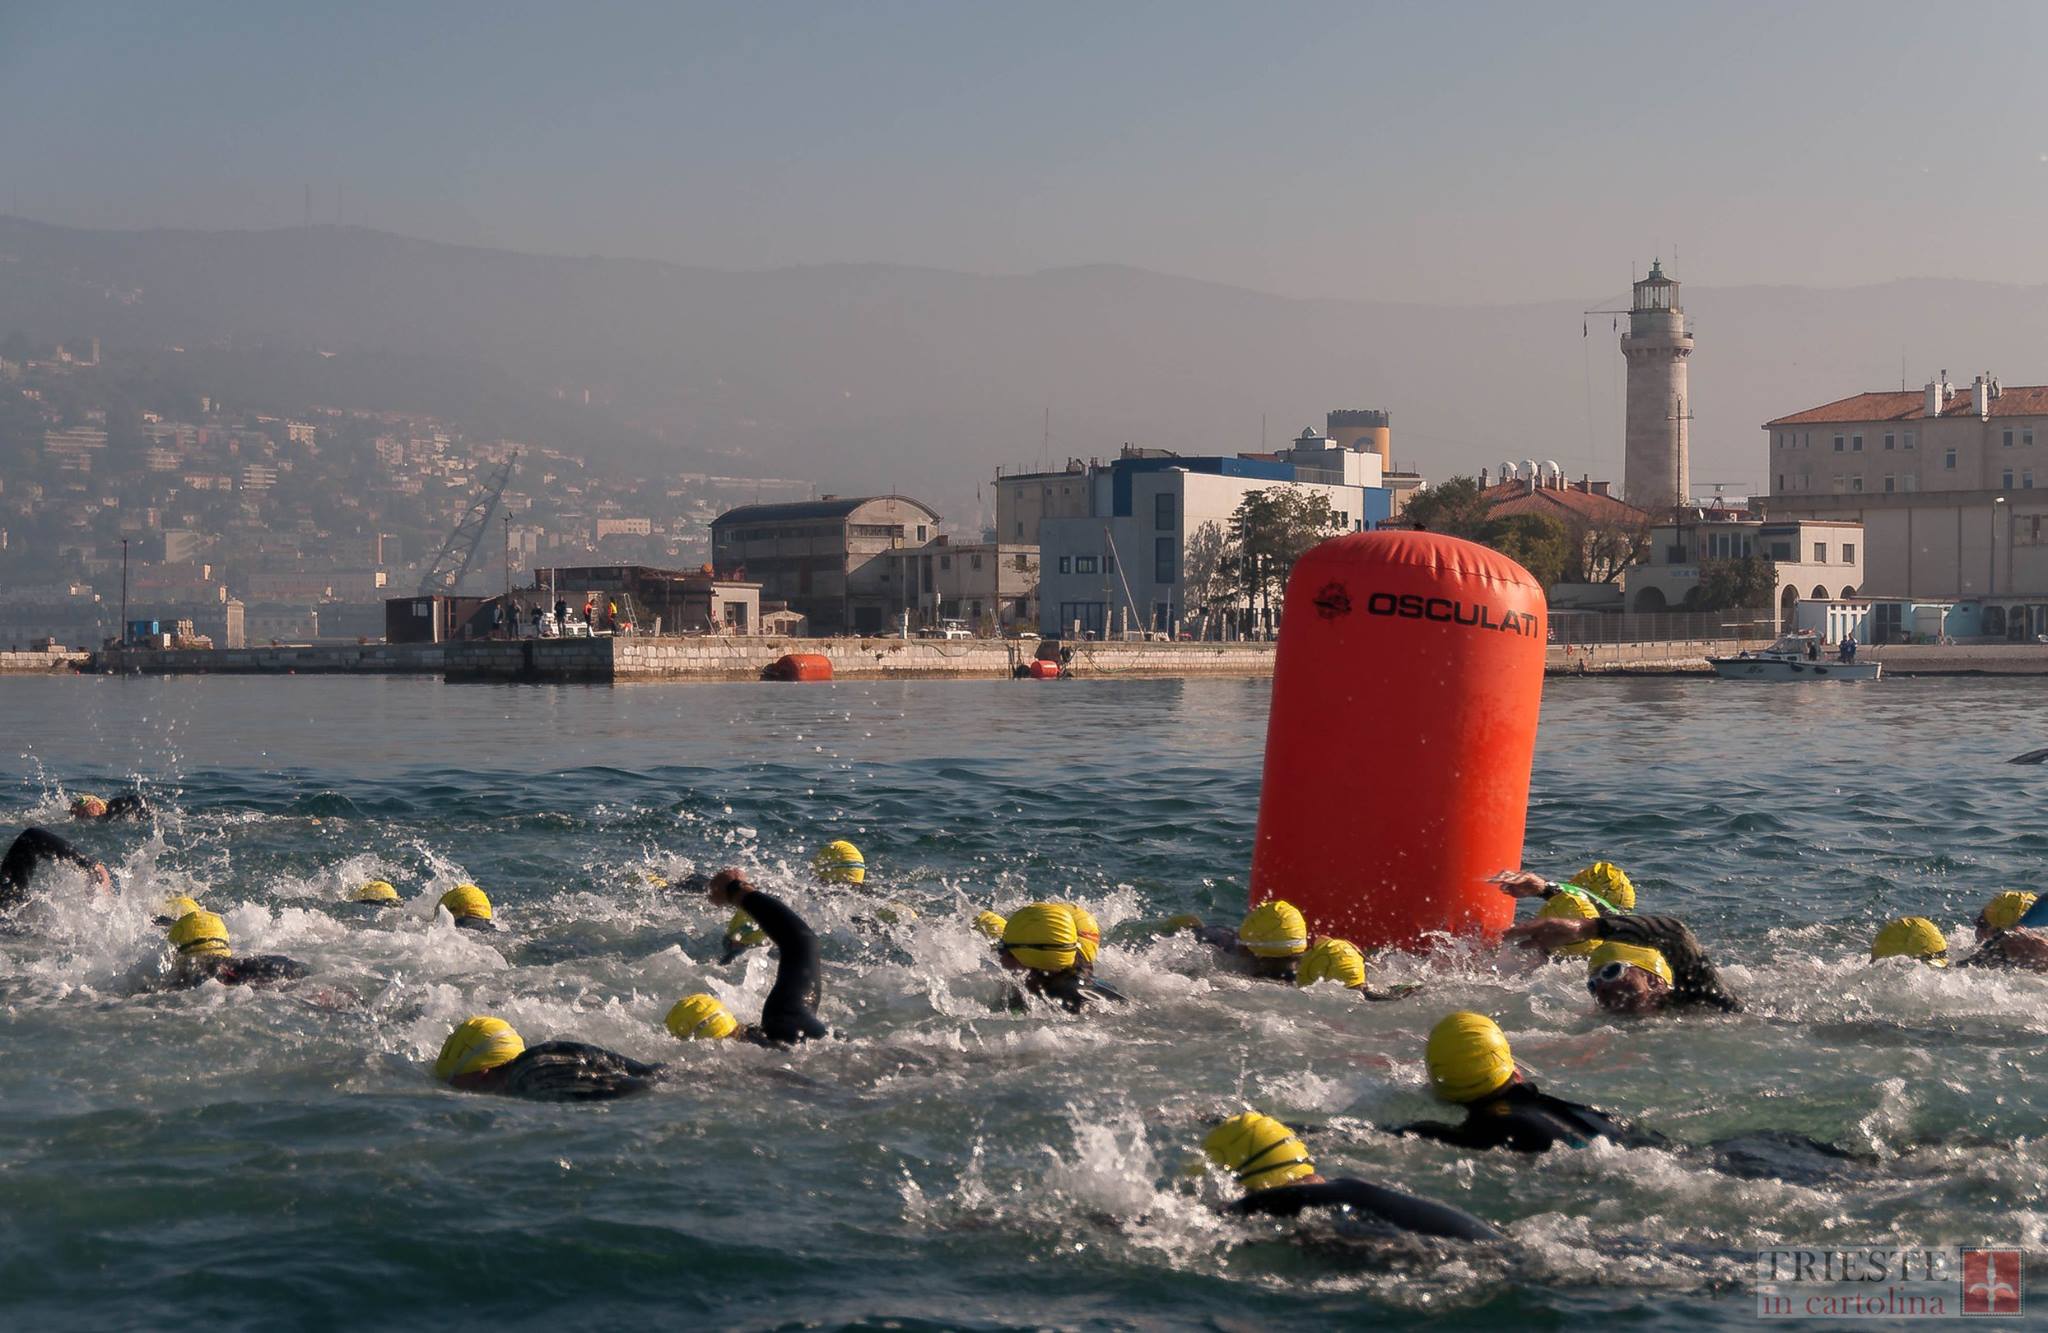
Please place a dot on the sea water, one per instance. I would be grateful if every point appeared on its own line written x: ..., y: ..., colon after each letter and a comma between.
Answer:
x: 220, y: 1158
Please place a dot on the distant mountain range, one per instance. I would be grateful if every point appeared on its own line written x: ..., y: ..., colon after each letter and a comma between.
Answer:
x: 872, y: 377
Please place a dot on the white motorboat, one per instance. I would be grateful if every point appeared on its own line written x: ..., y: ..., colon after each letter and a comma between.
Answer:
x: 1793, y: 657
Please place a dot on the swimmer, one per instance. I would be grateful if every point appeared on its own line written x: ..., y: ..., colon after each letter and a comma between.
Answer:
x: 1267, y: 944
x: 30, y: 852
x: 1470, y: 1065
x: 127, y: 805
x: 380, y: 895
x: 839, y: 862
x: 790, y: 1013
x: 2002, y: 942
x: 484, y: 1054
x: 1342, y: 962
x: 1279, y: 1180
x: 1088, y: 945
x: 1642, y: 964
x: 836, y: 863
x: 201, y: 939
x: 1911, y: 937
x: 470, y: 908
x: 1043, y: 942
x: 1602, y: 884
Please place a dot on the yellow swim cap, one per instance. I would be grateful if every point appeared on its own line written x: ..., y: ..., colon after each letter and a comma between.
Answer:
x: 1043, y: 937
x: 88, y: 807
x: 1468, y: 1057
x: 176, y: 906
x: 1274, y: 930
x: 466, y: 900
x: 840, y: 862
x: 989, y: 924
x: 1606, y: 879
x: 1911, y: 937
x: 200, y: 933
x: 475, y: 1045
x: 1569, y: 906
x: 1259, y: 1150
x: 701, y: 1016
x: 1087, y: 933
x: 376, y: 891
x: 1332, y: 960
x: 2004, y: 911
x: 1613, y: 951
x: 743, y: 931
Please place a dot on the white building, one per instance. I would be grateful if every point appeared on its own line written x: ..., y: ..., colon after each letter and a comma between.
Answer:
x: 1123, y: 564
x: 1817, y: 559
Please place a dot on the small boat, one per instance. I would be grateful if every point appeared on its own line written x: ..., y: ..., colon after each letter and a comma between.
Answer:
x: 1788, y: 659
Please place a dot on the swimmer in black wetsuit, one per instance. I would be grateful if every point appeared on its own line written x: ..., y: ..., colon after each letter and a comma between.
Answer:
x: 34, y: 849
x: 127, y: 805
x: 1471, y: 1065
x: 201, y: 939
x: 1268, y: 944
x: 1280, y: 1181
x: 790, y: 1013
x: 2002, y: 942
x: 469, y: 907
x: 484, y: 1054
x: 1625, y: 979
x: 1042, y: 943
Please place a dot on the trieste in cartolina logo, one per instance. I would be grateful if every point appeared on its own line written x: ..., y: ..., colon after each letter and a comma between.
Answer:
x: 1889, y: 1282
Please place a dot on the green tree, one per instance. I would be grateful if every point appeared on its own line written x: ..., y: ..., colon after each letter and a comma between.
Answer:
x: 1745, y: 584
x: 1456, y: 508
x: 1272, y: 529
x: 1603, y: 548
x: 1539, y: 543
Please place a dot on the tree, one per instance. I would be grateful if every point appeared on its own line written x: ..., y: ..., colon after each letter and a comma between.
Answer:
x: 1272, y: 529
x: 1456, y: 508
x: 1207, y: 572
x: 1539, y: 543
x: 1744, y: 584
x: 1604, y: 548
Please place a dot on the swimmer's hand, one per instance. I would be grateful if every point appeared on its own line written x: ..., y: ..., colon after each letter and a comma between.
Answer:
x: 1522, y: 884
x: 2024, y: 948
x: 727, y: 887
x: 1551, y: 934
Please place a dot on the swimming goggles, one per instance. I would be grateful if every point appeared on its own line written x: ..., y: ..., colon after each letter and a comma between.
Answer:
x: 1606, y: 976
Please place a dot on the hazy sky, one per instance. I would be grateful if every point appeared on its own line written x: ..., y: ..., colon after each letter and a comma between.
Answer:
x: 1436, y: 152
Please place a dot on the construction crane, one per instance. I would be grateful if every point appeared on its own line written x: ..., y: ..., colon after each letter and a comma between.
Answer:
x: 458, y: 553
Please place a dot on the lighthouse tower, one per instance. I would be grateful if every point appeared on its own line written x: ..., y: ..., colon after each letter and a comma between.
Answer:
x: 1658, y: 471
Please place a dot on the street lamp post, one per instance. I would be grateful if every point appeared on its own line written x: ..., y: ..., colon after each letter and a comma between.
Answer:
x: 1991, y: 581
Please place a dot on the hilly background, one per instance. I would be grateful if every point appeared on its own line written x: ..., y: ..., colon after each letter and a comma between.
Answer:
x: 869, y: 377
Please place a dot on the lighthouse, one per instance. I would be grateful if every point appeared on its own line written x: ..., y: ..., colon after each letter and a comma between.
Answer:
x: 1658, y: 469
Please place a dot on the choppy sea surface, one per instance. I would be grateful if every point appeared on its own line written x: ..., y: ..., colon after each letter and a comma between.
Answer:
x: 271, y: 1159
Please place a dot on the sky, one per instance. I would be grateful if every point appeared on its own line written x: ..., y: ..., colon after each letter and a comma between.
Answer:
x: 1455, y: 153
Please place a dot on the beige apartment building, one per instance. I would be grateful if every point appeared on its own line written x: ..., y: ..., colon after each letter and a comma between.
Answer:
x: 1950, y: 485
x: 828, y: 559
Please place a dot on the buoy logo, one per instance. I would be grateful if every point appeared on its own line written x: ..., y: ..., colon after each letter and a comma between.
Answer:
x: 1334, y: 600
x: 1476, y: 615
x: 1993, y: 1281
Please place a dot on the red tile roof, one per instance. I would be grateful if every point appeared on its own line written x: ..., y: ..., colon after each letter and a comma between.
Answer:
x: 1514, y: 497
x: 2018, y: 400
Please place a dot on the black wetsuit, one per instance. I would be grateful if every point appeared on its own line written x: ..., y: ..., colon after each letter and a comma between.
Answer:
x: 33, y: 849
x: 790, y: 1013
x: 1072, y: 989
x: 482, y: 923
x: 1404, y: 1212
x: 1996, y: 952
x: 256, y: 970
x: 127, y: 805
x: 564, y: 1071
x: 1694, y: 982
x: 1526, y: 1119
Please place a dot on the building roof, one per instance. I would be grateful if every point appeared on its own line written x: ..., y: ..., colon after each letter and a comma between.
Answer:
x: 2018, y: 400
x: 836, y: 507
x: 1514, y: 497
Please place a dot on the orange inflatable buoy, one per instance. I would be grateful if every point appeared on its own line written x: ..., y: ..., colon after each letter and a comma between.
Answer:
x: 1403, y: 726
x: 1044, y: 670
x: 798, y: 666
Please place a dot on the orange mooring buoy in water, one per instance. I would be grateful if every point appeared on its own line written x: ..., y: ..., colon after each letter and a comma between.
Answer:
x: 1405, y: 697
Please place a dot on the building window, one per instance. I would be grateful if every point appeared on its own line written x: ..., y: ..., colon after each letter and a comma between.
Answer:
x: 1908, y: 441
x: 1889, y: 439
x: 1912, y: 483
x: 1948, y: 460
x: 923, y: 533
x: 1109, y: 564
x: 1162, y: 560
x: 1066, y: 564
x: 1806, y: 440
x: 1085, y: 564
x: 945, y: 562
x: 1848, y: 553
x: 1023, y: 561
x: 974, y: 561
x: 1020, y: 529
x: 1820, y: 553
x: 2005, y: 480
x: 2026, y: 479
x: 2008, y: 437
x: 1781, y: 551
x: 1838, y: 444
x: 1855, y: 444
x: 1781, y: 482
x: 1162, y: 511
x: 1887, y: 483
x: 1855, y: 483
x: 2027, y: 437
